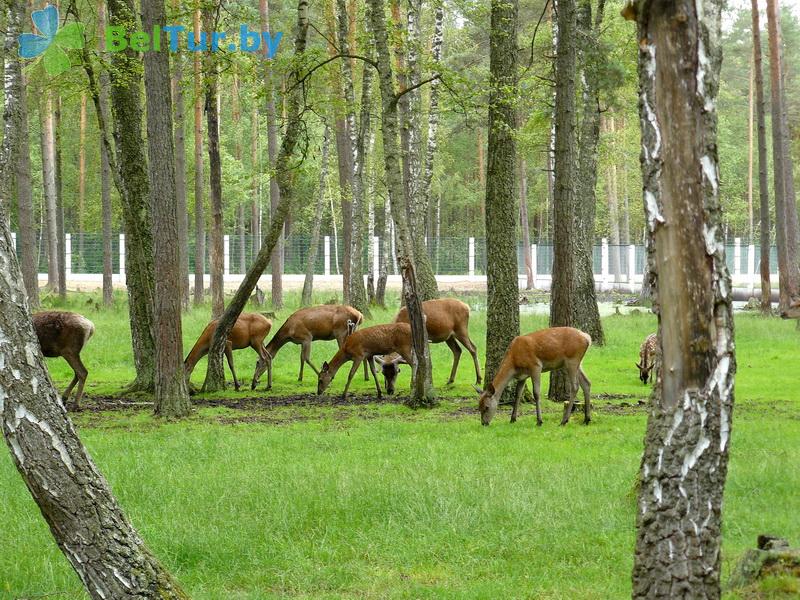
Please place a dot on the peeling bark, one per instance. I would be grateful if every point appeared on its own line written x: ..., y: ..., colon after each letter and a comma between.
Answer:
x: 685, y: 458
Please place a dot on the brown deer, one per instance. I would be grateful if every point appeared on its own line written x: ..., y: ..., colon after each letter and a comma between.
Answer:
x: 530, y: 356
x: 647, y: 357
x: 362, y: 346
x: 793, y: 311
x: 447, y: 320
x: 324, y: 322
x: 65, y: 334
x: 249, y: 331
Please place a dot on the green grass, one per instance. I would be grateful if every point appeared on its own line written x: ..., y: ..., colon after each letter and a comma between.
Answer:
x: 377, y: 501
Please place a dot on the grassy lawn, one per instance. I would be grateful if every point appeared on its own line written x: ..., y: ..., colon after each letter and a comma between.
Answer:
x: 309, y: 499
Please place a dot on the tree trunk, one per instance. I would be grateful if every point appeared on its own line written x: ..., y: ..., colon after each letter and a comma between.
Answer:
x: 612, y: 191
x: 180, y: 169
x: 217, y: 253
x: 525, y: 223
x: 199, y: 180
x: 105, y: 168
x: 49, y: 182
x: 502, y: 317
x: 763, y: 185
x: 136, y: 217
x: 785, y: 201
x: 81, y: 175
x: 422, y: 391
x: 255, y: 209
x: 241, y: 225
x: 383, y: 264
x: 62, y: 237
x: 417, y: 196
x: 750, y: 153
x: 308, y: 282
x: 17, y: 121
x: 215, y: 376
x: 171, y: 392
x: 685, y: 458
x: 357, y: 294
x: 272, y: 150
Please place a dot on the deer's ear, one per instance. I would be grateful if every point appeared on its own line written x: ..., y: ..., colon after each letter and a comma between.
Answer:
x: 638, y: 366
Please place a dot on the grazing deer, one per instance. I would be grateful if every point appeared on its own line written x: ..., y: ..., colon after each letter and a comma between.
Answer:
x: 362, y: 346
x: 647, y: 357
x: 324, y: 322
x: 530, y: 356
x: 447, y: 320
x: 793, y: 312
x: 65, y: 334
x: 249, y: 331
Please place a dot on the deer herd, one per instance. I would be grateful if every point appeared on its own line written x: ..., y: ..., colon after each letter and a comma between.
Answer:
x: 64, y: 334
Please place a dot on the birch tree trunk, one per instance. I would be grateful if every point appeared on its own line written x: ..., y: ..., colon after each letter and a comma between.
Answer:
x: 105, y: 168
x: 383, y: 264
x: 686, y: 445
x: 272, y: 151
x: 763, y: 185
x: 422, y: 390
x: 81, y: 175
x: 217, y: 253
x: 525, y: 222
x: 255, y: 209
x: 215, y: 376
x: 236, y: 111
x: 751, y: 99
x: 308, y: 282
x: 171, y: 392
x: 502, y: 316
x: 180, y: 169
x: 49, y: 183
x: 785, y: 200
x: 199, y: 180
x: 61, y: 233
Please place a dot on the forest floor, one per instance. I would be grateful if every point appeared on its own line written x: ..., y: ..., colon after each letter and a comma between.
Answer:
x: 290, y: 495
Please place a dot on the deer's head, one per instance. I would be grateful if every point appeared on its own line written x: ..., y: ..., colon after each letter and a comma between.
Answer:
x: 324, y: 379
x: 644, y: 372
x: 390, y: 367
x: 262, y: 365
x: 487, y: 403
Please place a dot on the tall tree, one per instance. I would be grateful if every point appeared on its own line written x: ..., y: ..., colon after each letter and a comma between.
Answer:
x: 180, y: 168
x: 132, y: 182
x: 105, y: 167
x: 524, y: 222
x: 236, y: 118
x: 199, y: 180
x: 763, y: 186
x: 308, y: 282
x: 685, y: 458
x: 81, y: 174
x: 785, y: 201
x: 272, y: 152
x: 46, y: 121
x: 502, y: 316
x: 255, y: 166
x: 215, y: 376
x: 217, y: 254
x: 61, y: 241
x: 171, y: 392
x: 422, y: 390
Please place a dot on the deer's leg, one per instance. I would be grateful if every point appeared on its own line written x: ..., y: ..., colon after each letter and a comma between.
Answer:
x: 229, y: 356
x: 366, y: 374
x: 353, y: 371
x: 537, y: 390
x: 74, y: 361
x: 374, y: 374
x: 572, y: 377
x: 456, y: 349
x: 305, y: 357
x: 517, y: 398
x: 586, y: 386
x: 463, y: 337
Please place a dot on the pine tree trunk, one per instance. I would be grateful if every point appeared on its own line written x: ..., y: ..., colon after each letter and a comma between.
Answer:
x: 308, y: 282
x: 763, y: 185
x: 525, y: 223
x: 272, y: 151
x: 61, y: 235
x: 433, y: 115
x: 131, y: 163
x: 750, y: 153
x: 199, y: 180
x: 502, y: 317
x: 255, y: 209
x: 49, y: 182
x: 685, y: 458
x: 171, y: 393
x: 180, y: 169
x: 785, y: 201
x: 101, y: 105
x: 422, y: 391
x: 81, y: 176
x: 215, y: 376
x: 241, y: 225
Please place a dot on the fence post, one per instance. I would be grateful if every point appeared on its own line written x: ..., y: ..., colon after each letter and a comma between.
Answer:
x: 751, y: 265
x: 376, y: 255
x: 122, y: 255
x: 68, y: 254
x: 631, y: 265
x: 533, y: 263
x: 472, y: 257
x: 226, y: 252
x: 327, y: 255
x: 604, y: 263
x: 737, y: 256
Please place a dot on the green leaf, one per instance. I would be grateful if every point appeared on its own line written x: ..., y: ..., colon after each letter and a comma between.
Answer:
x: 70, y: 36
x: 55, y: 60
